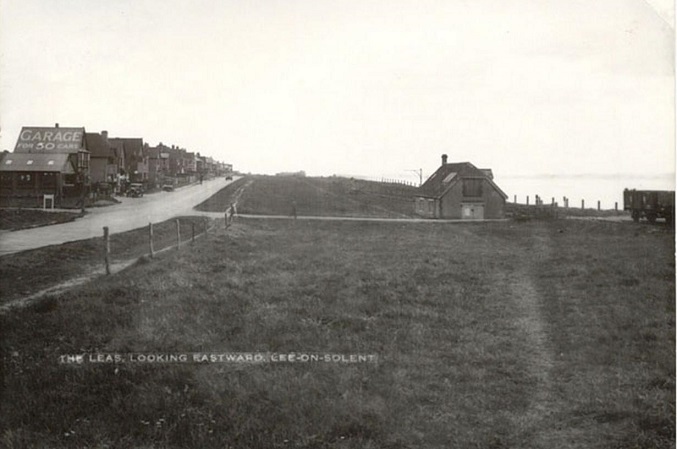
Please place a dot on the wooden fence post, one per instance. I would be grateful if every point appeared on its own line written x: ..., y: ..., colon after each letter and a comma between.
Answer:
x: 582, y: 204
x: 599, y: 205
x: 616, y: 206
x: 106, y: 239
x: 178, y: 234
x: 527, y: 200
x: 150, y: 240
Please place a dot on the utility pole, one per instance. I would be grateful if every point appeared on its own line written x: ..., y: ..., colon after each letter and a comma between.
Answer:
x: 419, y: 172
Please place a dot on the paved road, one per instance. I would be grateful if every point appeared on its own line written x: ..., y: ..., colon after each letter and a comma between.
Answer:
x: 132, y: 213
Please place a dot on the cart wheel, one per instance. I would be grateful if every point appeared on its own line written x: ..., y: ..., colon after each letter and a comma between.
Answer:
x: 651, y: 218
x: 635, y: 216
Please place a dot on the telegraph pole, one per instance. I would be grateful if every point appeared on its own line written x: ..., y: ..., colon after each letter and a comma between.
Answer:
x: 419, y: 172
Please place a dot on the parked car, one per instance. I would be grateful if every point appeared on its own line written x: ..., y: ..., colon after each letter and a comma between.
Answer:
x: 168, y: 187
x: 135, y: 190
x: 229, y: 177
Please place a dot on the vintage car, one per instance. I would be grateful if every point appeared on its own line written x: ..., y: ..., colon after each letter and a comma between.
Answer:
x: 135, y: 190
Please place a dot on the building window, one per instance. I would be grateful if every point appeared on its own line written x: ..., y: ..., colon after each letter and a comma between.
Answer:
x: 449, y: 177
x: 419, y: 205
x: 472, y: 187
x: 83, y: 161
x: 25, y: 181
x: 6, y: 181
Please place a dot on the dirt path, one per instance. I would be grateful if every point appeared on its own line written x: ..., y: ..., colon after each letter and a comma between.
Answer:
x: 240, y: 190
x: 540, y: 355
x: 62, y: 287
x: 335, y: 218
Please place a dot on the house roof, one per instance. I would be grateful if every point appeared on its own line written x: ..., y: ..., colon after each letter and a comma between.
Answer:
x: 153, y: 152
x: 30, y: 162
x: 117, y: 147
x: 98, y: 145
x: 449, y: 174
x: 133, y: 146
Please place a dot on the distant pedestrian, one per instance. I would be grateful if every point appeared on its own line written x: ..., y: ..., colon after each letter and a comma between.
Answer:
x: 293, y: 209
x: 231, y: 213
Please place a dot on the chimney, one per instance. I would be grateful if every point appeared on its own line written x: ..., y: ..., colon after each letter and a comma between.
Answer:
x: 104, y: 134
x: 56, y: 125
x: 444, y: 159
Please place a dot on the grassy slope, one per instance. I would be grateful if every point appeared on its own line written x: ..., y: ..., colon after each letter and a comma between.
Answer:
x: 31, y: 271
x: 14, y: 219
x: 273, y: 195
x: 488, y: 335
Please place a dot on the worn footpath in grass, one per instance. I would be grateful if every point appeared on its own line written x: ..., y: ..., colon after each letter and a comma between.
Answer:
x: 333, y: 196
x: 540, y: 334
x: 31, y: 271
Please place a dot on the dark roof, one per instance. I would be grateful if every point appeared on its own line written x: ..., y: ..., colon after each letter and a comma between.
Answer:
x: 23, y: 162
x: 488, y: 172
x: 98, y: 145
x: 153, y: 152
x: 117, y: 147
x: 133, y: 145
x: 448, y: 174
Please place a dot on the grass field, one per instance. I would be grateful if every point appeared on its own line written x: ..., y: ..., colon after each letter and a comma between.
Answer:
x: 334, y: 196
x: 14, y: 219
x: 29, y: 272
x: 523, y: 212
x: 543, y: 334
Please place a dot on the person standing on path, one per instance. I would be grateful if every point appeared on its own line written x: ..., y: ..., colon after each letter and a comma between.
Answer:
x: 231, y: 214
x: 293, y: 209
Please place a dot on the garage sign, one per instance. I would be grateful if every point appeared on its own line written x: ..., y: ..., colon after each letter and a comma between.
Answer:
x: 46, y: 140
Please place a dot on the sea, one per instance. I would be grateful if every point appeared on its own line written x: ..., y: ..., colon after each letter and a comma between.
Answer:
x: 590, y: 189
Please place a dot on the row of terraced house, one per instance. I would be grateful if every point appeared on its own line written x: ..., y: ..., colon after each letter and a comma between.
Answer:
x: 71, y: 166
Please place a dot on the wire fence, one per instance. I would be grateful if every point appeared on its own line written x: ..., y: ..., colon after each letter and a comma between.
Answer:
x: 156, y: 238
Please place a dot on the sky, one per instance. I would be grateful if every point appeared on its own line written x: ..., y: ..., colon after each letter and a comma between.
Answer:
x: 374, y: 88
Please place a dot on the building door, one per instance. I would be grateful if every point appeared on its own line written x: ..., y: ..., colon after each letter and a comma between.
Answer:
x: 472, y: 211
